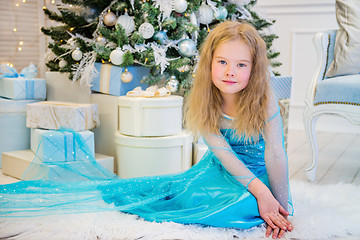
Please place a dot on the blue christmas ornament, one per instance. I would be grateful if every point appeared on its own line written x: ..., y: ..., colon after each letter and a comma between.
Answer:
x: 161, y: 36
x: 187, y: 48
x: 222, y: 13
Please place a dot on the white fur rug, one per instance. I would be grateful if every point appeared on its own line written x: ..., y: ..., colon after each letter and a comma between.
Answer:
x: 321, y: 212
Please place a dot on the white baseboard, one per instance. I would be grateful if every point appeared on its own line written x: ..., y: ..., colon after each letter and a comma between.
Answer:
x: 325, y: 123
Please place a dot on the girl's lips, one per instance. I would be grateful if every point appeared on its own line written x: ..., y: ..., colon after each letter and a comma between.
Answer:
x: 229, y: 82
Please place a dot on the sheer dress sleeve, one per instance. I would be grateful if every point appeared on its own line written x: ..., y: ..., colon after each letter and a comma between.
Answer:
x: 275, y: 155
x: 228, y: 158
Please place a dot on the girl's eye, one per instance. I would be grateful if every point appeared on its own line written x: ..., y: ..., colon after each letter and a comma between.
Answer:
x: 222, y: 62
x: 241, y: 65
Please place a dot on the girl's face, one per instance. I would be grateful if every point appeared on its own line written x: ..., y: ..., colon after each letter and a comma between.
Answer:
x: 231, y: 67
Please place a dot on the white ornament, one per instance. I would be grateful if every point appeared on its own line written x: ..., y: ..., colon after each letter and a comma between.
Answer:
x: 62, y: 63
x: 172, y: 85
x: 146, y: 30
x: 240, y: 3
x: 206, y: 14
x: 193, y: 19
x: 110, y: 19
x: 126, y: 22
x: 76, y: 54
x: 116, y: 56
x: 126, y: 76
x: 180, y: 5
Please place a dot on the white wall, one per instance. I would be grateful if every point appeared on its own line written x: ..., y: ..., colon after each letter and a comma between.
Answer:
x: 296, y: 23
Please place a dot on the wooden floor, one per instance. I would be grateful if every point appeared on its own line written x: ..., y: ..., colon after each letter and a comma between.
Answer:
x: 339, y: 158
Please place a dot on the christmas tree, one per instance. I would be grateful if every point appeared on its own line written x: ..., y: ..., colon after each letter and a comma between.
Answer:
x: 162, y: 35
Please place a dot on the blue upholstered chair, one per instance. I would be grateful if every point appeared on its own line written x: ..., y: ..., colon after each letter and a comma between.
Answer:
x: 338, y: 95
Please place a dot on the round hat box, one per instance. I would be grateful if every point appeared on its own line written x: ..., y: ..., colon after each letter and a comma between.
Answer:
x: 150, y: 117
x: 150, y: 156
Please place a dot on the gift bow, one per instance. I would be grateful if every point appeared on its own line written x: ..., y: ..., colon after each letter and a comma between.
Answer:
x: 10, y: 72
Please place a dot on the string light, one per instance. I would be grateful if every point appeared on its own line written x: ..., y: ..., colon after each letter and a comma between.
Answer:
x: 17, y: 5
x: 44, y: 7
x: 19, y: 48
x: 15, y: 29
x: 24, y: 1
x: 53, y: 1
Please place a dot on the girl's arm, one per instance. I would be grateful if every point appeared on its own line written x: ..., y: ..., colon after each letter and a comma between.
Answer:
x: 275, y: 155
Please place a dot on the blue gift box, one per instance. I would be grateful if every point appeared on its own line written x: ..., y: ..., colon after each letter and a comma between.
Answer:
x: 281, y: 85
x: 59, y: 146
x: 14, y: 135
x: 109, y: 80
x: 23, y: 88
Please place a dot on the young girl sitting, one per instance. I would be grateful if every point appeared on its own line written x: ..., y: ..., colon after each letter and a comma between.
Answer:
x: 233, y: 108
x: 240, y: 182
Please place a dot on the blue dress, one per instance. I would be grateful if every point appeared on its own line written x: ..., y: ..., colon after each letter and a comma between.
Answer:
x: 206, y: 194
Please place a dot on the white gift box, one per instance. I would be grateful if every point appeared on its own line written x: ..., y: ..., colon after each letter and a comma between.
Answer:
x: 54, y: 115
x: 149, y: 156
x: 14, y: 135
x: 16, y: 162
x: 23, y: 88
x: 57, y: 146
x: 157, y: 116
x: 199, y: 151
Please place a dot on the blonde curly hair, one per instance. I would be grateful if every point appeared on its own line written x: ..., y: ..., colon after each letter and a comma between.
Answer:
x: 202, y: 106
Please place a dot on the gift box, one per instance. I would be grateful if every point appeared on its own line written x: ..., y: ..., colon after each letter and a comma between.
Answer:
x: 109, y: 80
x: 54, y: 115
x: 149, y: 156
x: 16, y: 162
x: 23, y: 86
x: 14, y: 135
x: 57, y: 146
x: 157, y: 116
x: 281, y: 86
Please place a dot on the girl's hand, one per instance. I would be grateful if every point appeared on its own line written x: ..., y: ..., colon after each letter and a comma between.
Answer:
x: 273, y: 214
x: 270, y: 210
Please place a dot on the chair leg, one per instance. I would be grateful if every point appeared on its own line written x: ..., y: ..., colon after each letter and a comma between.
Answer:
x: 310, y: 131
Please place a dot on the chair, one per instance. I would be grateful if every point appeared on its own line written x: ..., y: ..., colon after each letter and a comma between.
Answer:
x: 338, y: 95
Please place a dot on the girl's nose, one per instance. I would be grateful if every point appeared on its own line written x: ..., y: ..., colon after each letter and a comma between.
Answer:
x: 229, y: 71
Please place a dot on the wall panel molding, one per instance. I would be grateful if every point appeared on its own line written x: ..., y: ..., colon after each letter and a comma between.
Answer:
x: 283, y: 7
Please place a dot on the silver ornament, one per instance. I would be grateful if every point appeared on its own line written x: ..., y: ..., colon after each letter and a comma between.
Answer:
x: 116, y: 56
x: 187, y: 48
x: 62, y: 63
x: 222, y: 13
x: 180, y: 5
x: 126, y: 76
x: 126, y: 22
x: 206, y: 14
x: 76, y: 54
x: 101, y: 40
x: 110, y: 19
x: 193, y: 19
x: 172, y: 85
x: 146, y: 30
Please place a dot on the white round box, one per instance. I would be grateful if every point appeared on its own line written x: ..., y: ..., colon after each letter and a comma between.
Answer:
x: 150, y: 156
x: 150, y: 117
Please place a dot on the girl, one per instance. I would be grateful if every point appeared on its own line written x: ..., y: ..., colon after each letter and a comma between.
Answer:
x: 240, y: 119
x: 240, y: 182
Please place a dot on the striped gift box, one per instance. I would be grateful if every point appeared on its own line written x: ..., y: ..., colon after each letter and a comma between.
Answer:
x: 281, y: 86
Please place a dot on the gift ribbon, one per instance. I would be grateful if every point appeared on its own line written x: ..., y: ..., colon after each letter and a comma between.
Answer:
x: 10, y: 72
x: 105, y: 75
x: 30, y: 88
